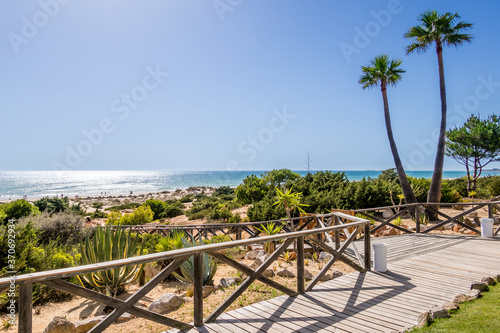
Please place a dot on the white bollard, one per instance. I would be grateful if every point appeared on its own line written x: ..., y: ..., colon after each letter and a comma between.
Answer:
x: 380, y: 257
x: 487, y: 227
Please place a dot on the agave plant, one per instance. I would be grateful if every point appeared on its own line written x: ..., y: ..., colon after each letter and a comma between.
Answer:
x: 171, y: 242
x: 270, y: 228
x: 107, y: 245
x: 187, y: 268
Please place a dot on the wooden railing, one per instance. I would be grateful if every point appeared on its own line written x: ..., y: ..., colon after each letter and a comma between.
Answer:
x: 417, y: 209
x: 337, y: 248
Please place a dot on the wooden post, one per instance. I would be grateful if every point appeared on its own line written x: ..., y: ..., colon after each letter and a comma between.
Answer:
x: 490, y: 211
x: 25, y: 308
x: 198, y: 289
x: 368, y: 256
x: 417, y: 219
x: 300, y: 265
x: 238, y: 233
x: 337, y: 233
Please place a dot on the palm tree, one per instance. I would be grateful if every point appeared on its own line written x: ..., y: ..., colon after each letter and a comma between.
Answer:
x: 383, y: 71
x: 441, y: 30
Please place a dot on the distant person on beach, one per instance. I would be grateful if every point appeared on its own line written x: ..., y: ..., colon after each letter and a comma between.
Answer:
x: 131, y: 192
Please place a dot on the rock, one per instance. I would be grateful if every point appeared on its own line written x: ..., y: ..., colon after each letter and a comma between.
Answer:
x: 469, y: 232
x: 259, y: 260
x: 448, y: 226
x: 460, y: 298
x: 437, y: 311
x: 496, y: 221
x: 468, y: 296
x: 326, y: 277
x: 268, y: 273
x: 228, y: 281
x: 252, y: 255
x: 207, y: 290
x: 412, y: 228
x: 472, y: 215
x: 478, y: 285
x: 60, y: 325
x: 308, y: 275
x: 497, y: 277
x: 488, y: 280
x: 386, y: 214
x: 476, y: 222
x: 441, y: 228
x: 423, y: 320
x: 336, y: 274
x: 468, y: 222
x: 450, y: 306
x: 462, y: 230
x: 125, y: 317
x: 286, y: 273
x: 166, y: 303
x: 473, y: 294
x: 325, y: 256
x: 85, y: 325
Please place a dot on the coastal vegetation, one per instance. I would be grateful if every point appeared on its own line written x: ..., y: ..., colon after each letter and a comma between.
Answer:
x: 474, y: 145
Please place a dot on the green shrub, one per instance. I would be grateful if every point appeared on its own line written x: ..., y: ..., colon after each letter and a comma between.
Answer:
x: 141, y: 215
x: 494, y: 186
x: 265, y: 210
x: 65, y: 228
x: 97, y: 205
x: 19, y: 208
x: 3, y: 214
x: 31, y: 256
x: 187, y: 198
x: 221, y: 239
x: 235, y: 218
x: 448, y: 194
x: 163, y: 210
x: 132, y: 205
x: 77, y: 209
x: 98, y: 214
x: 253, y: 189
x: 220, y: 213
x: 52, y: 205
x: 223, y: 190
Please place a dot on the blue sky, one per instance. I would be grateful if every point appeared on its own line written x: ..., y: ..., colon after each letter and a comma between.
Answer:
x: 229, y: 84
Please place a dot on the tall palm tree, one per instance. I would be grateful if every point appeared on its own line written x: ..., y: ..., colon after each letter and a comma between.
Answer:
x: 441, y: 30
x: 384, y: 71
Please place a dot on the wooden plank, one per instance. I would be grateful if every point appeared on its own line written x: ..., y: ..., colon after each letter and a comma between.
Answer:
x: 300, y: 266
x: 25, y: 316
x: 414, y: 295
x: 314, y: 317
x: 357, y: 321
x: 198, y: 289
x: 259, y: 322
x: 262, y: 311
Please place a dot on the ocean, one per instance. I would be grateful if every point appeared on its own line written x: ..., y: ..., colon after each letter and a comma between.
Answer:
x: 36, y: 184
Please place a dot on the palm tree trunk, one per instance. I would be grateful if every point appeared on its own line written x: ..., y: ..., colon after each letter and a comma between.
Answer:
x: 437, y: 176
x: 403, y: 180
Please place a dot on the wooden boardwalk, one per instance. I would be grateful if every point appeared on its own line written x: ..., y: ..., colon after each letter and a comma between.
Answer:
x: 423, y: 270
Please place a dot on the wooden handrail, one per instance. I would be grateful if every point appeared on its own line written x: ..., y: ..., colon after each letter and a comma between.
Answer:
x: 172, y: 254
